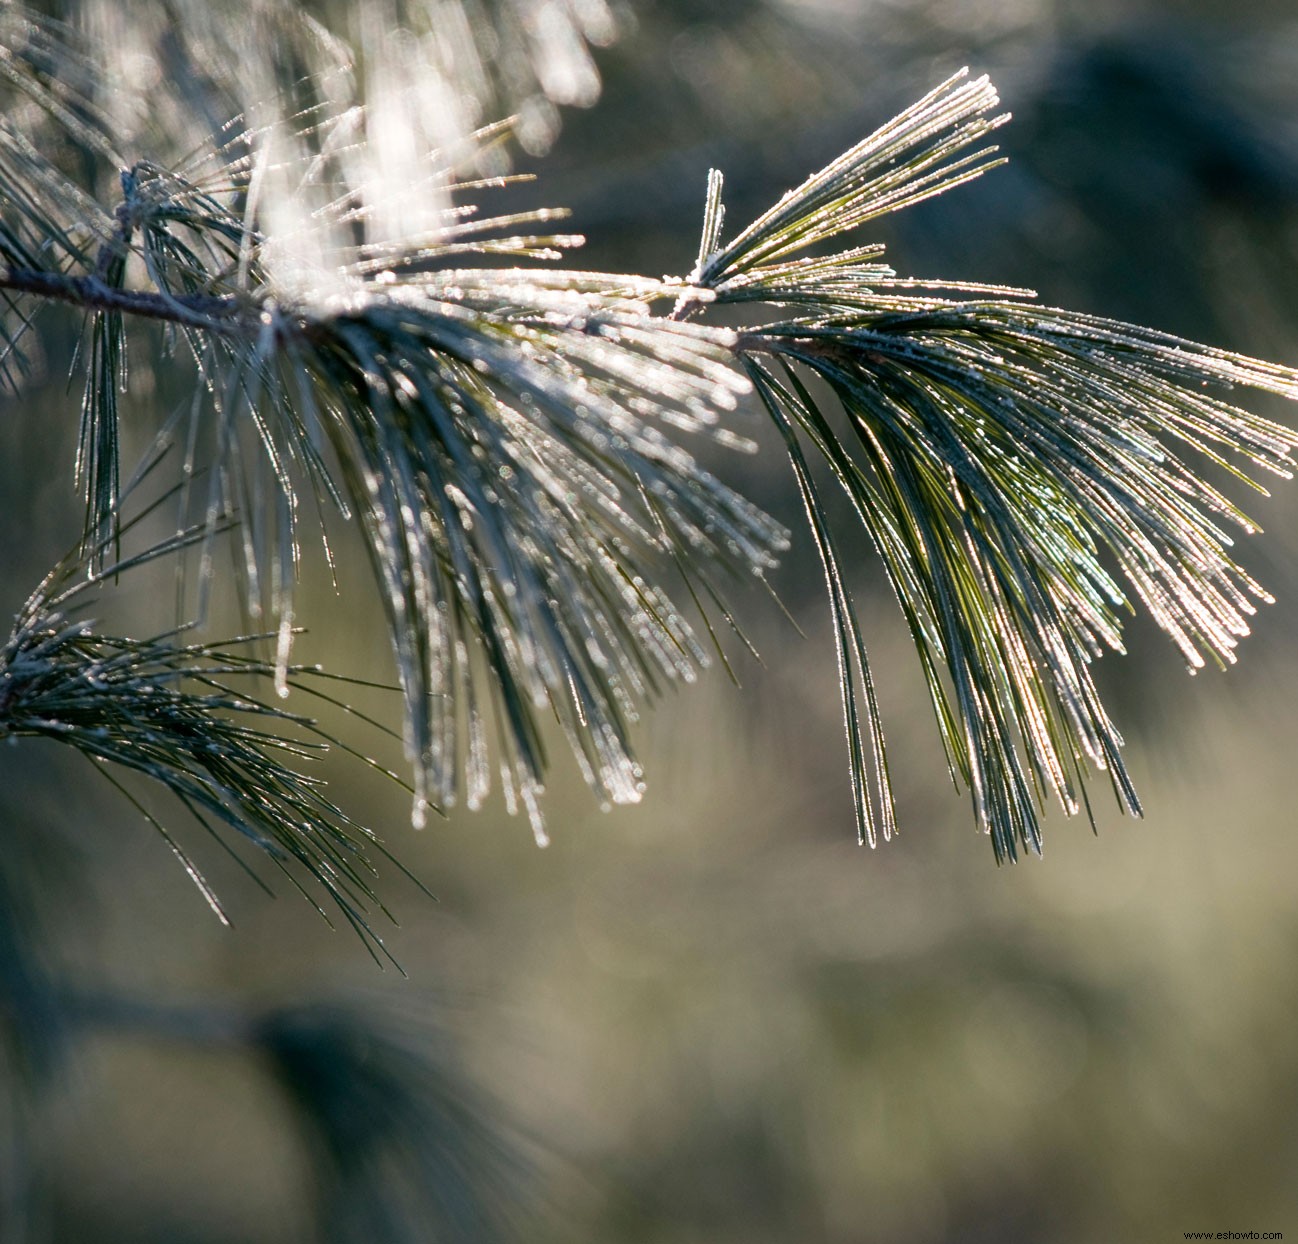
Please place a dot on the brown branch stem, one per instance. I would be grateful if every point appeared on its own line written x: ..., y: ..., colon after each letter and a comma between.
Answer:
x: 221, y: 313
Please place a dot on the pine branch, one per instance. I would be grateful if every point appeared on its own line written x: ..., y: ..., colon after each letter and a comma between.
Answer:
x: 187, y: 717
x: 1010, y: 464
x: 499, y: 435
x: 213, y: 313
x: 497, y: 431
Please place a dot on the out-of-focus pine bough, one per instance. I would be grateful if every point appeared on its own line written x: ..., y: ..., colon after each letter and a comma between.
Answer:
x: 501, y: 436
x: 400, y: 1138
x: 402, y: 1145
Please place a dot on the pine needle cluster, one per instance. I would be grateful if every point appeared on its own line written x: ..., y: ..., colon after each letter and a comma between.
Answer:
x: 1022, y: 471
x: 188, y: 717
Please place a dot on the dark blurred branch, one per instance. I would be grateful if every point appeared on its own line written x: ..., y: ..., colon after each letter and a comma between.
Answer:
x: 106, y: 1011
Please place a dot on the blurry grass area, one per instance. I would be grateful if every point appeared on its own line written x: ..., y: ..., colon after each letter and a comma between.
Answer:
x: 722, y: 1019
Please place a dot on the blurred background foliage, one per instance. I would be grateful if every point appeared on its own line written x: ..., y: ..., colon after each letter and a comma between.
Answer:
x: 713, y: 1017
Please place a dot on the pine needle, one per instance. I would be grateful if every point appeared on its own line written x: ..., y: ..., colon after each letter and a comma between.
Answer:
x: 1022, y: 472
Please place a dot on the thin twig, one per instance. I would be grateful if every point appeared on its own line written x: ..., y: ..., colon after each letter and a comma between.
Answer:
x: 228, y: 314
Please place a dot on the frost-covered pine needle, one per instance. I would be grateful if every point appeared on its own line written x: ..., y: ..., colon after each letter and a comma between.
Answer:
x: 190, y: 717
x: 1021, y: 471
x: 510, y: 439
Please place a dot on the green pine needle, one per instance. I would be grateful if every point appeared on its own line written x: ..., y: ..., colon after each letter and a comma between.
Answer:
x: 510, y: 469
x: 187, y: 716
x: 1011, y: 464
x: 502, y: 436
